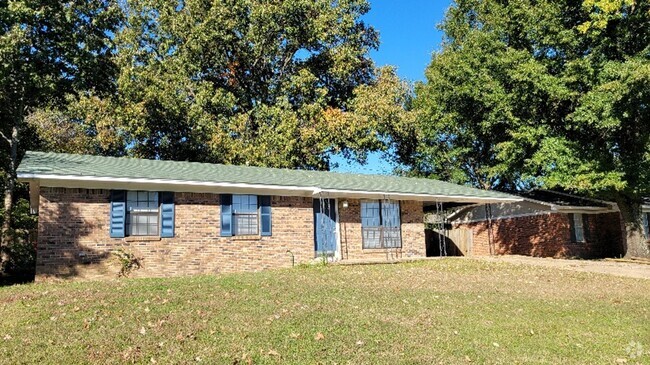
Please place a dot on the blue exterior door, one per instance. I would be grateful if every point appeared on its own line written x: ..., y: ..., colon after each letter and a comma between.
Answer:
x: 325, y: 226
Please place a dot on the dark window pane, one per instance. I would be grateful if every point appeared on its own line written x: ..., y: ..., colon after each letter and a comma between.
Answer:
x: 392, y: 238
x: 244, y: 203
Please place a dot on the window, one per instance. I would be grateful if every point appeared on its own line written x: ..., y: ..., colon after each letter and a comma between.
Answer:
x: 142, y: 210
x: 578, y: 228
x: 380, y: 222
x: 245, y: 215
x: 646, y: 225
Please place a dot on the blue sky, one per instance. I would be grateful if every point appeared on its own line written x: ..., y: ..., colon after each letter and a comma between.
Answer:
x: 408, y: 36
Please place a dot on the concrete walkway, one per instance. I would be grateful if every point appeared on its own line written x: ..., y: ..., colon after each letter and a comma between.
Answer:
x: 626, y: 269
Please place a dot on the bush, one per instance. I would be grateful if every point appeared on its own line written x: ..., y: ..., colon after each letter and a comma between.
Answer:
x: 22, y: 242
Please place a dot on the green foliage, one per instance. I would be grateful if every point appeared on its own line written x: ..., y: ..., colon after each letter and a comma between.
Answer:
x: 52, y: 49
x: 550, y: 93
x: 22, y: 248
x: 61, y: 130
x: 128, y: 262
x: 243, y: 81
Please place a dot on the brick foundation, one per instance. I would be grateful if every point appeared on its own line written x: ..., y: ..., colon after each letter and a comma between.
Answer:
x: 74, y: 242
x: 547, y: 235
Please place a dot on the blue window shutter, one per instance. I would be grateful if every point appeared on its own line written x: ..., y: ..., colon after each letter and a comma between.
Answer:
x: 572, y: 227
x: 226, y: 215
x: 265, y: 214
x: 118, y: 214
x: 167, y: 211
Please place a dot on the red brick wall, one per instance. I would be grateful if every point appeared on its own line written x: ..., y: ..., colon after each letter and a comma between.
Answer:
x: 73, y: 238
x: 74, y: 221
x: 547, y: 235
x: 413, y: 242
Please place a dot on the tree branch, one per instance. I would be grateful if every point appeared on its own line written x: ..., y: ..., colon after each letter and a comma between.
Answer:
x: 5, y: 137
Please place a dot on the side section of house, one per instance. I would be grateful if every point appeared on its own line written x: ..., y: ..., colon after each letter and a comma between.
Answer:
x: 544, y: 229
x: 75, y: 233
x: 74, y: 238
x: 547, y: 235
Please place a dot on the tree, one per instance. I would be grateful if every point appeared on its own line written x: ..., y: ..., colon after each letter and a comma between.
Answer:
x: 49, y: 50
x: 550, y: 93
x: 245, y: 81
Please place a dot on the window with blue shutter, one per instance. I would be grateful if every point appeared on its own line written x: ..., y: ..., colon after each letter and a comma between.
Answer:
x: 245, y: 215
x: 167, y: 211
x: 141, y: 213
x: 117, y: 224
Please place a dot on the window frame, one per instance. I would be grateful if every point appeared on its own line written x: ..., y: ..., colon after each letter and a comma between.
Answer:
x: 142, y: 212
x: 578, y: 225
x: 245, y: 213
x: 381, y: 228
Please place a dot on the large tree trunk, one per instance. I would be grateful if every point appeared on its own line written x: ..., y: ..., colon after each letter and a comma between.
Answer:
x: 5, y: 235
x: 634, y: 241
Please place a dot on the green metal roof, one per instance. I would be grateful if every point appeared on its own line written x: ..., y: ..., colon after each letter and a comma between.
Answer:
x: 40, y: 165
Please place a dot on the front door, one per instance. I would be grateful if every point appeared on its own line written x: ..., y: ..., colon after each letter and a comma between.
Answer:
x: 325, y: 226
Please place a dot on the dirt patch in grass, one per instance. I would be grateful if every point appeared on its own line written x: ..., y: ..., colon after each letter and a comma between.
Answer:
x: 626, y: 269
x: 441, y: 311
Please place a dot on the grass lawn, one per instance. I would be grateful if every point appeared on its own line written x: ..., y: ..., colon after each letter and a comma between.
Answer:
x: 441, y: 311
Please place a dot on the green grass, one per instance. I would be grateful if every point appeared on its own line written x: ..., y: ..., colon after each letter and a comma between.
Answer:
x: 442, y: 311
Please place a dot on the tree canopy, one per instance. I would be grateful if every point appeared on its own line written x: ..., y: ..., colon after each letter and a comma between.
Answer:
x: 547, y: 93
x: 245, y: 82
x: 51, y: 54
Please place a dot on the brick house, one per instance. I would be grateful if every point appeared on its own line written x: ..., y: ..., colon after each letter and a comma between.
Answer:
x: 186, y: 218
x: 546, y: 223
